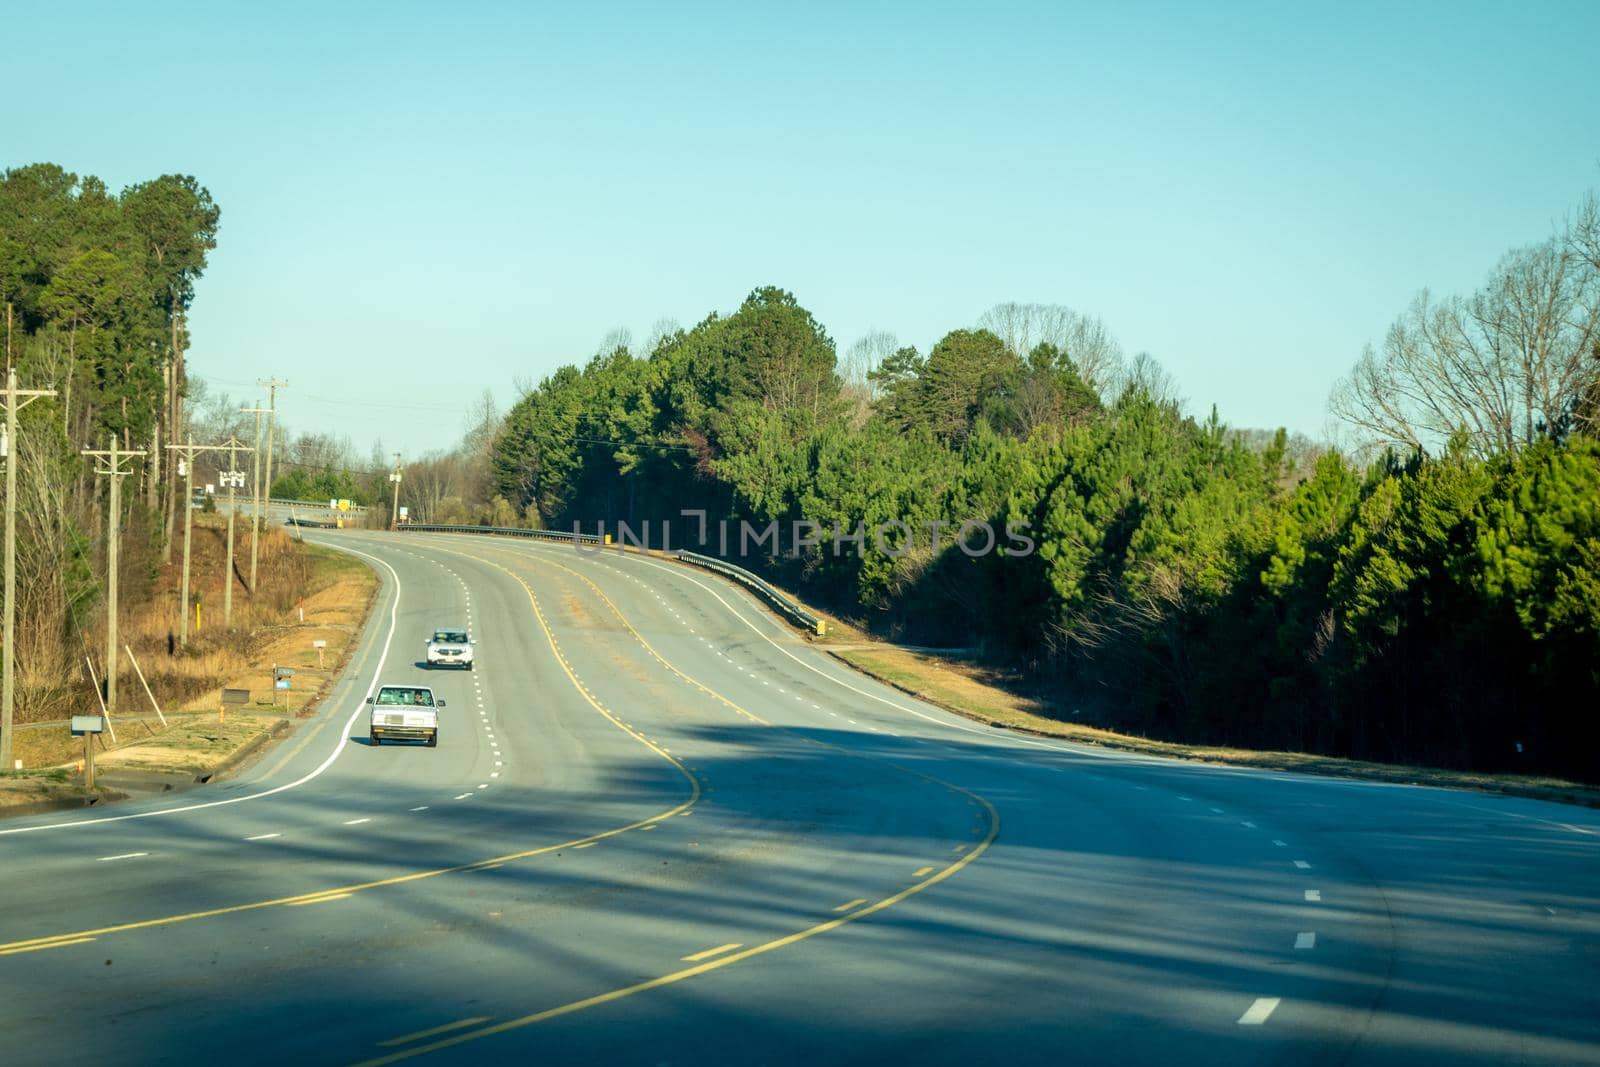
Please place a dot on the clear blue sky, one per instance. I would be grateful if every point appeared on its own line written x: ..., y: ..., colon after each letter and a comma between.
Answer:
x: 423, y: 200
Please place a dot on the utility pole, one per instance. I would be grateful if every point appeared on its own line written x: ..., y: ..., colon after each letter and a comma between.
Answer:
x: 233, y: 479
x: 272, y: 385
x: 113, y: 458
x: 16, y: 400
x: 186, y: 454
x: 394, y: 512
x: 255, y: 492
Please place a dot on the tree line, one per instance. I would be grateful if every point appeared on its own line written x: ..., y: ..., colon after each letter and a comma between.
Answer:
x: 95, y: 288
x: 1432, y: 595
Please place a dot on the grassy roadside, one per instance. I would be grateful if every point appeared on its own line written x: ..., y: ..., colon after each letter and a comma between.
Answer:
x: 980, y: 694
x: 306, y: 594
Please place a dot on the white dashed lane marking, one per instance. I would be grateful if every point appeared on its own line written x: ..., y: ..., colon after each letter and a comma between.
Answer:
x: 1313, y: 896
x: 1260, y: 1011
x: 263, y: 837
x: 1307, y: 940
x: 122, y: 856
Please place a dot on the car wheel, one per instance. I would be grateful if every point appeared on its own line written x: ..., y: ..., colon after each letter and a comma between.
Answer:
x: 374, y: 740
x: 433, y: 740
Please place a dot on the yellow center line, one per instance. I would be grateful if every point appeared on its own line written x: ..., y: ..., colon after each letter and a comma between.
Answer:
x: 738, y: 957
x: 708, y: 953
x: 51, y: 944
x: 849, y: 904
x: 421, y: 1035
x: 923, y: 872
x: 319, y: 900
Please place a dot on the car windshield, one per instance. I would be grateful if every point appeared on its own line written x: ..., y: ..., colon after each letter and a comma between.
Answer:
x: 393, y: 695
x: 455, y: 636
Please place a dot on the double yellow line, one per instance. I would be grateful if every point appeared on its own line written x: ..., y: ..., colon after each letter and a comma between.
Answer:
x: 924, y: 878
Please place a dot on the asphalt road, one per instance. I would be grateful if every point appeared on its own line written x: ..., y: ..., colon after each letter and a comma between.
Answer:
x: 661, y: 829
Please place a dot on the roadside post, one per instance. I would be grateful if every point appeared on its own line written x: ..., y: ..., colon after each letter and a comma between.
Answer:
x: 87, y: 726
x: 281, y: 680
x: 321, y: 646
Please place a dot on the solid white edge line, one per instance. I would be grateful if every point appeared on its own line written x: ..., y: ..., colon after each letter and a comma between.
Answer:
x: 339, y: 747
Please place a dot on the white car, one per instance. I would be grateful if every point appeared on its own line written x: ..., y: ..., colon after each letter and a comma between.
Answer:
x: 449, y: 647
x: 404, y: 713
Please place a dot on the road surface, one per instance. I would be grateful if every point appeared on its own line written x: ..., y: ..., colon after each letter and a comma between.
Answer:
x: 659, y: 828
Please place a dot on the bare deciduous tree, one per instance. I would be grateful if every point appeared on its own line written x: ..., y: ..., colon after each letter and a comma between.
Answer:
x: 1084, y: 338
x: 1145, y: 373
x: 1505, y: 365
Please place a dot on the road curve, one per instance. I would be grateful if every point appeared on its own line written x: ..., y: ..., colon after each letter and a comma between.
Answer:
x: 661, y: 828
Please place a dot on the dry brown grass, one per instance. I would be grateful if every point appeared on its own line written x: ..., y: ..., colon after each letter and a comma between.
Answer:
x: 333, y: 590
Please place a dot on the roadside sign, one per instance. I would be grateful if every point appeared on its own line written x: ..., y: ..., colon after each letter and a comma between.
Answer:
x: 283, y: 672
x: 281, y: 683
x: 87, y: 724
x: 344, y: 505
x: 319, y: 643
x: 405, y: 512
x: 236, y: 696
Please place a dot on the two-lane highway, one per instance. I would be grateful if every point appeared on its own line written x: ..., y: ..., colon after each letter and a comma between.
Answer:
x: 659, y: 828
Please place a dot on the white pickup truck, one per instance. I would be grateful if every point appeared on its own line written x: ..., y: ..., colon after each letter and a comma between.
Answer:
x: 449, y: 647
x: 404, y: 713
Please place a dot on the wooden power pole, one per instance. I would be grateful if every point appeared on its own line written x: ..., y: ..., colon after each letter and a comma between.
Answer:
x: 16, y: 400
x: 394, y: 511
x: 255, y: 493
x: 186, y: 454
x: 272, y: 385
x: 112, y: 459
x: 234, y: 480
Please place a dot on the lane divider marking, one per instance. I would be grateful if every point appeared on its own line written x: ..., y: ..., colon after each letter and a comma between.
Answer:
x: 423, y: 1035
x: 40, y: 948
x: 708, y: 953
x: 807, y: 933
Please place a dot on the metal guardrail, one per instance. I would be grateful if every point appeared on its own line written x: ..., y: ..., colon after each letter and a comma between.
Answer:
x: 750, y: 580
x: 321, y: 505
